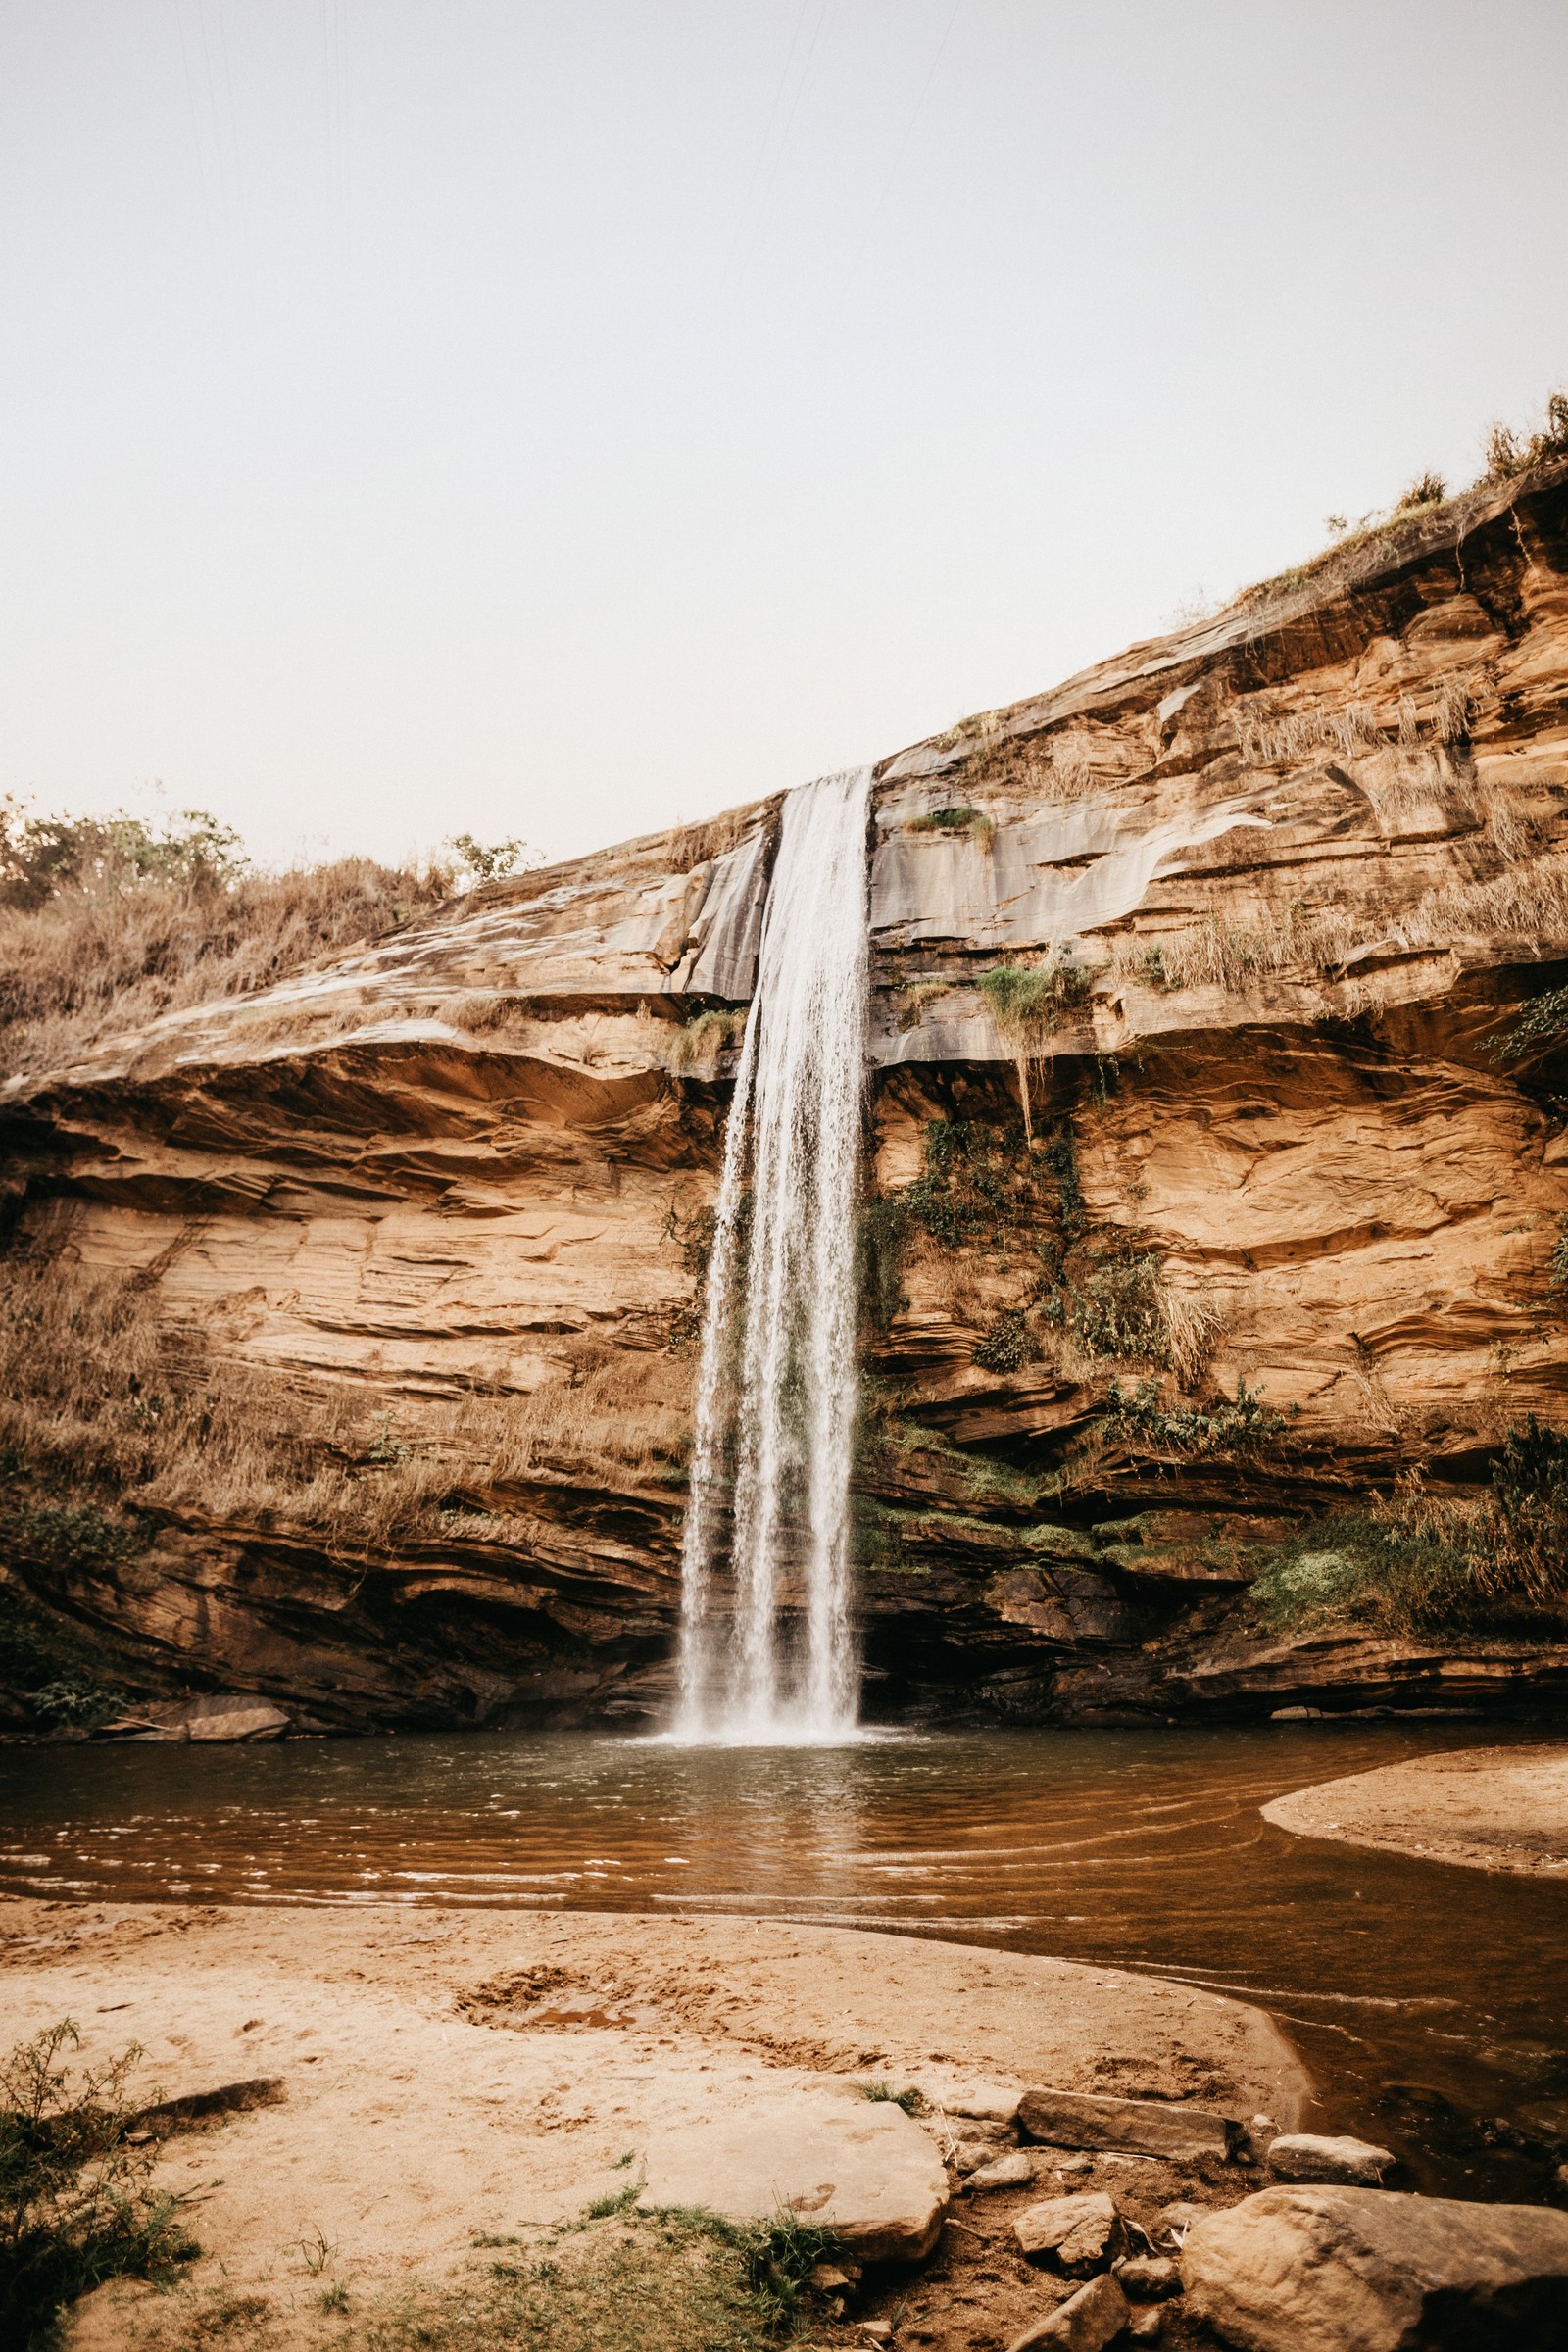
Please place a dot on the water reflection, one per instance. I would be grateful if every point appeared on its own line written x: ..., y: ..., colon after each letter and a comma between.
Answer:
x: 1428, y: 2001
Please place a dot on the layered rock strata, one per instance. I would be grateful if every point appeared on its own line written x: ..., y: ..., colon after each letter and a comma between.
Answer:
x: 1286, y: 881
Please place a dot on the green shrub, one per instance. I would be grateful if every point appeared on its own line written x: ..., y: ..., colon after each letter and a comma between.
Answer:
x: 73, y: 1535
x: 75, y: 2204
x: 1240, y: 1426
x: 1116, y: 1309
x: 972, y: 825
x: 41, y: 856
x: 1026, y: 1003
x: 486, y: 861
x: 1418, y: 1562
x: 1542, y: 1024
x: 1356, y: 1568
x: 882, y: 2093
x: 1007, y: 1343
x: 884, y: 1237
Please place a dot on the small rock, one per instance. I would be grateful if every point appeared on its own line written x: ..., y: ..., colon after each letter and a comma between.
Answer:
x: 1182, y: 2212
x: 1149, y: 2277
x: 1075, y: 2164
x: 1086, y: 2323
x: 1082, y: 2230
x: 1264, y: 2128
x: 1169, y: 2127
x: 1322, y: 2269
x: 969, y: 2155
x: 1144, y: 2324
x: 1304, y: 2156
x: 879, y: 2331
x: 1013, y: 2171
x: 829, y: 2279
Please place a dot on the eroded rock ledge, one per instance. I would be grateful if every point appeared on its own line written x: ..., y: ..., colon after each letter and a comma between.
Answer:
x: 433, y: 1212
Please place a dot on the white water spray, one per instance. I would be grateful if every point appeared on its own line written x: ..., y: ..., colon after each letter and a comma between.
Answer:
x: 776, y: 1399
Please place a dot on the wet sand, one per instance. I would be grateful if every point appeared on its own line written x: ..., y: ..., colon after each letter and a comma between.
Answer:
x: 1485, y: 1808
x: 417, y: 2106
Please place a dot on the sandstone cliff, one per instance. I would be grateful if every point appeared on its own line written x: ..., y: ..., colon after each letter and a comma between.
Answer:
x: 368, y: 1296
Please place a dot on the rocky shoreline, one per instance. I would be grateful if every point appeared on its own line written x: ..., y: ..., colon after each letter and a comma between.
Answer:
x: 1002, y: 2151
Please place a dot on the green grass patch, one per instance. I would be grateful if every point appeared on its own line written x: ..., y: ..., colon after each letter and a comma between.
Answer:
x: 669, y: 2282
x: 1418, y: 1564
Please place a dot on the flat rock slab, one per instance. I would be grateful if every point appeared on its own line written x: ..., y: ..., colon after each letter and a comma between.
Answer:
x: 855, y: 2167
x: 1486, y: 1808
x: 1306, y: 2156
x: 429, y: 2097
x: 1366, y: 2269
x: 1075, y: 2118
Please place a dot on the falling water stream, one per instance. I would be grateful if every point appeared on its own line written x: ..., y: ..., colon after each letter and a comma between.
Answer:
x: 768, y: 1651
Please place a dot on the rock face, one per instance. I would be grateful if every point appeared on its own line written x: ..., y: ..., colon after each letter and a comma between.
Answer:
x: 437, y: 1209
x: 1355, y: 2269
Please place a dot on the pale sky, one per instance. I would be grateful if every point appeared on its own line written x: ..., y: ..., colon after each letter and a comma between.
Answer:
x: 565, y: 417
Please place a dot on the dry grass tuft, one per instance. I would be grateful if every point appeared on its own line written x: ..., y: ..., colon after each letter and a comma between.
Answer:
x: 86, y: 963
x: 1235, y: 956
x: 104, y: 1407
x: 1192, y: 1327
x: 697, y: 845
x: 1509, y: 454
x: 1527, y: 901
x: 1354, y: 729
x: 699, y: 1041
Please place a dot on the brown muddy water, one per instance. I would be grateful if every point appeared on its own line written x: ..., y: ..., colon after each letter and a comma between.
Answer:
x: 1428, y: 2001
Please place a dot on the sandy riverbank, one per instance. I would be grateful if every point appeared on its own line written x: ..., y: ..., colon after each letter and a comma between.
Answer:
x: 419, y: 2105
x: 1488, y: 1808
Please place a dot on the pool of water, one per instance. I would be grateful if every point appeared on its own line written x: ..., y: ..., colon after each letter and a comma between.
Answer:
x: 1428, y: 2001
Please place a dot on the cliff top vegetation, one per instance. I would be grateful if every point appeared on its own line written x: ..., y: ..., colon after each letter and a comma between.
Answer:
x: 110, y: 921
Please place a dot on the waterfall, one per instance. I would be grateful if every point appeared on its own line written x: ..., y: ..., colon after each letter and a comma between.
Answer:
x: 775, y: 1398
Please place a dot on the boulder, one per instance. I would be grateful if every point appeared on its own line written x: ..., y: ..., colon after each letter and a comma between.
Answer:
x: 1362, y: 2269
x: 1304, y: 2156
x: 1013, y: 2171
x: 1081, y: 2231
x: 219, y: 1715
x: 255, y: 1718
x: 1169, y: 2128
x: 1086, y: 2323
x: 857, y: 2168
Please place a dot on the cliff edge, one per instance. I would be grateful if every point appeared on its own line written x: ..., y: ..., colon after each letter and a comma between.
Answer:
x: 1213, y: 1238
